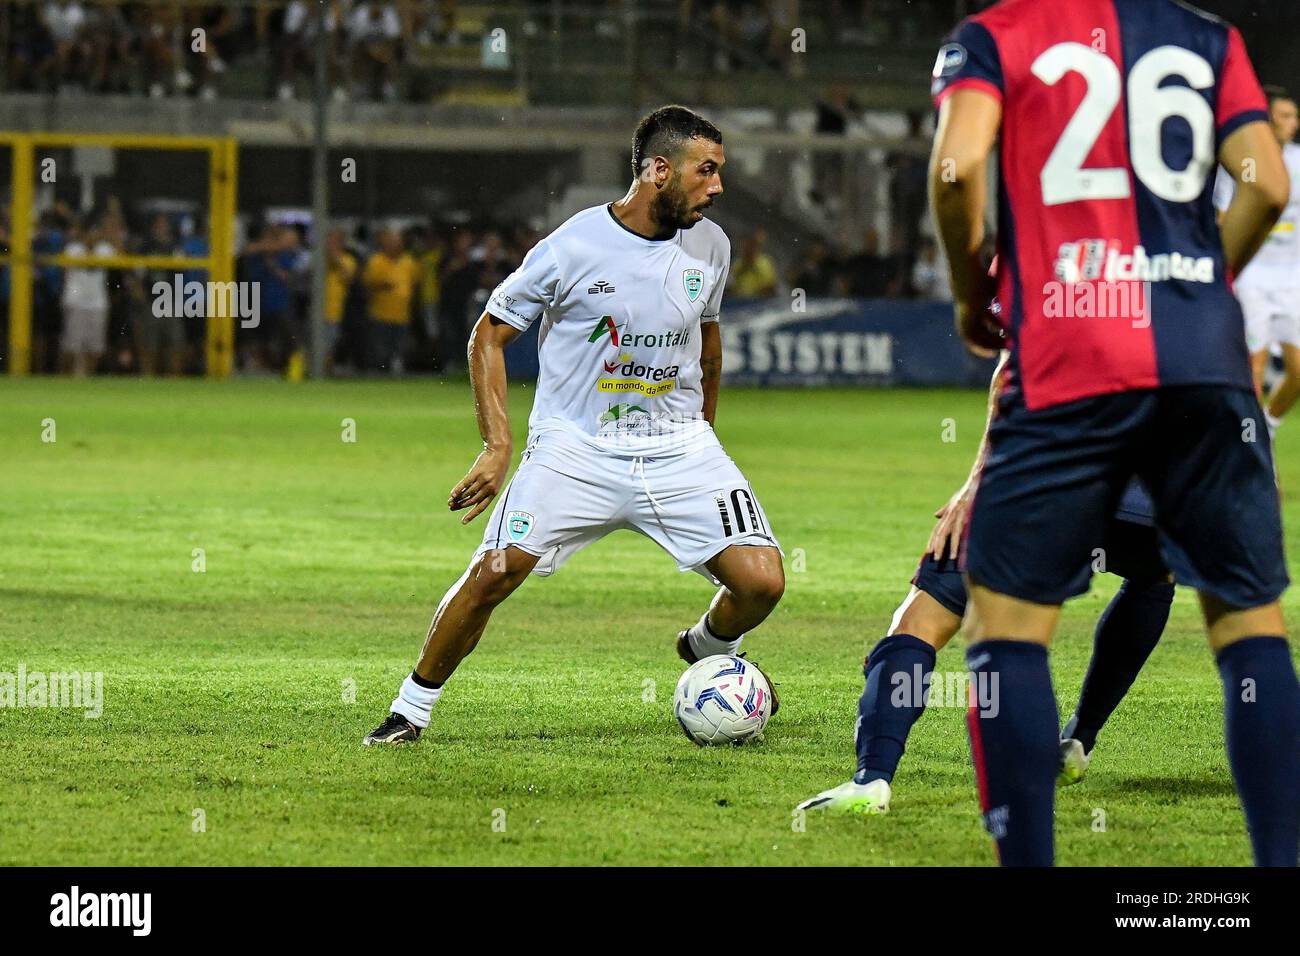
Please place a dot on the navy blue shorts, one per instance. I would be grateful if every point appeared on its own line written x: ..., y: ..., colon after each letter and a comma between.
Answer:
x: 1129, y: 548
x: 1055, y: 475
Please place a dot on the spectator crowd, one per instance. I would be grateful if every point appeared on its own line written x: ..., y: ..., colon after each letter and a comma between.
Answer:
x: 149, y: 47
x: 163, y: 48
x: 396, y: 299
x: 869, y: 271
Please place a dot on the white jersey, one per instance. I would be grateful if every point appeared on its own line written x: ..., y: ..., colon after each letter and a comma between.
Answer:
x: 619, y: 344
x: 86, y: 288
x: 1277, y: 263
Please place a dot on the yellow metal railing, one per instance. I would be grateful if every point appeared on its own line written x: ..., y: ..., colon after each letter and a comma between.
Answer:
x: 219, y: 263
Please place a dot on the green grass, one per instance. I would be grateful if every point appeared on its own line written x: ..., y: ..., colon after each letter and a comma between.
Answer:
x: 227, y: 691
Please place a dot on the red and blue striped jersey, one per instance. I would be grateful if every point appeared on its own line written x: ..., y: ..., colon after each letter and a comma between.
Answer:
x: 1111, y: 268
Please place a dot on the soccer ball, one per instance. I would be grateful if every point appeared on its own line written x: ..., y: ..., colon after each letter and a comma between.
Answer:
x: 722, y: 700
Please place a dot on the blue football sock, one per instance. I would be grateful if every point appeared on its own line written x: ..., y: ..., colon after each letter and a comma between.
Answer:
x: 1127, y: 633
x: 898, y: 677
x: 1013, y: 724
x: 1261, y: 712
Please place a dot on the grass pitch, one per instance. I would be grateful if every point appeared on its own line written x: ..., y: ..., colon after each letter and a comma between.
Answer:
x: 235, y: 698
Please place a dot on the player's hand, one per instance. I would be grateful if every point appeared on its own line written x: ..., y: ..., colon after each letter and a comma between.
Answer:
x: 945, y: 539
x: 481, y: 483
x: 980, y: 330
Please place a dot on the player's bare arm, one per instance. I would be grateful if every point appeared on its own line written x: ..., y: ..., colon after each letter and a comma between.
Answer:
x: 1252, y: 156
x: 710, y: 367
x: 968, y: 128
x: 487, y: 374
x: 947, y: 533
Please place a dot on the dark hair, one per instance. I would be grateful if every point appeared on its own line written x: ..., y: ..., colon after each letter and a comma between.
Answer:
x: 666, y: 131
x: 1275, y: 93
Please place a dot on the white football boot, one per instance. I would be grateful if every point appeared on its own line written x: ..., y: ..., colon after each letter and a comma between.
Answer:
x: 864, y: 798
x: 1074, y: 762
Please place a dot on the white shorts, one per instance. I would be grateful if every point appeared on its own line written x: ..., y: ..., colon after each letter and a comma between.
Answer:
x: 1272, y: 317
x: 84, y: 329
x: 693, y: 505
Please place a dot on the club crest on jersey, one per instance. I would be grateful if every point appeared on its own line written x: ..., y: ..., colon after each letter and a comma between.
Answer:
x: 518, y: 524
x: 693, y: 280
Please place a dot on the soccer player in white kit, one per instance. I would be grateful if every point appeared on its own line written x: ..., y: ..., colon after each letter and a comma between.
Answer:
x: 1269, y: 287
x: 621, y: 433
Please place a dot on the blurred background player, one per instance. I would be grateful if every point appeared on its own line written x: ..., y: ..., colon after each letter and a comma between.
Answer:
x: 85, y: 303
x: 898, y: 670
x: 1160, y: 390
x: 621, y: 435
x: 1269, y: 287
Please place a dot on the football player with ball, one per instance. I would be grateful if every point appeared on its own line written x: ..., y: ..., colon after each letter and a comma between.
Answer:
x: 627, y: 295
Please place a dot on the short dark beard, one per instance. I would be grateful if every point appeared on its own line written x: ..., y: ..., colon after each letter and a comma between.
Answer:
x: 671, y: 209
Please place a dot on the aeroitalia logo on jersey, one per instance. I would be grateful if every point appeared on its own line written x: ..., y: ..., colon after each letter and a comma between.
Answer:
x: 605, y: 327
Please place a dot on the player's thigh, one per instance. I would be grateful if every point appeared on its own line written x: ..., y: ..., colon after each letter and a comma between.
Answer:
x: 1209, y: 468
x: 935, y: 605
x: 553, y: 515
x: 1000, y: 617
x: 1226, y: 625
x: 698, y: 505
x: 1053, y: 479
x: 922, y: 616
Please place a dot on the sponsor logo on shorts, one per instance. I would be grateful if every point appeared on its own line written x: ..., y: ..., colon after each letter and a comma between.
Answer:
x: 518, y: 524
x: 693, y: 280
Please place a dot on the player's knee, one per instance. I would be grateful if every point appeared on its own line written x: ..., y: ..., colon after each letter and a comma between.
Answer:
x: 491, y: 580
x: 763, y: 589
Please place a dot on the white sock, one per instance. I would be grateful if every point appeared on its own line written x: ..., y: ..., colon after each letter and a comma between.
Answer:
x: 415, y: 703
x: 704, y: 643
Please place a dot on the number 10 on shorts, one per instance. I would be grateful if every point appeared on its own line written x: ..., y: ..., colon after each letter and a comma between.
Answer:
x: 738, y: 512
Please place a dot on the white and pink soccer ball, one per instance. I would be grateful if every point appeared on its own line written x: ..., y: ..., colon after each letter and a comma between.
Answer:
x: 722, y: 700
